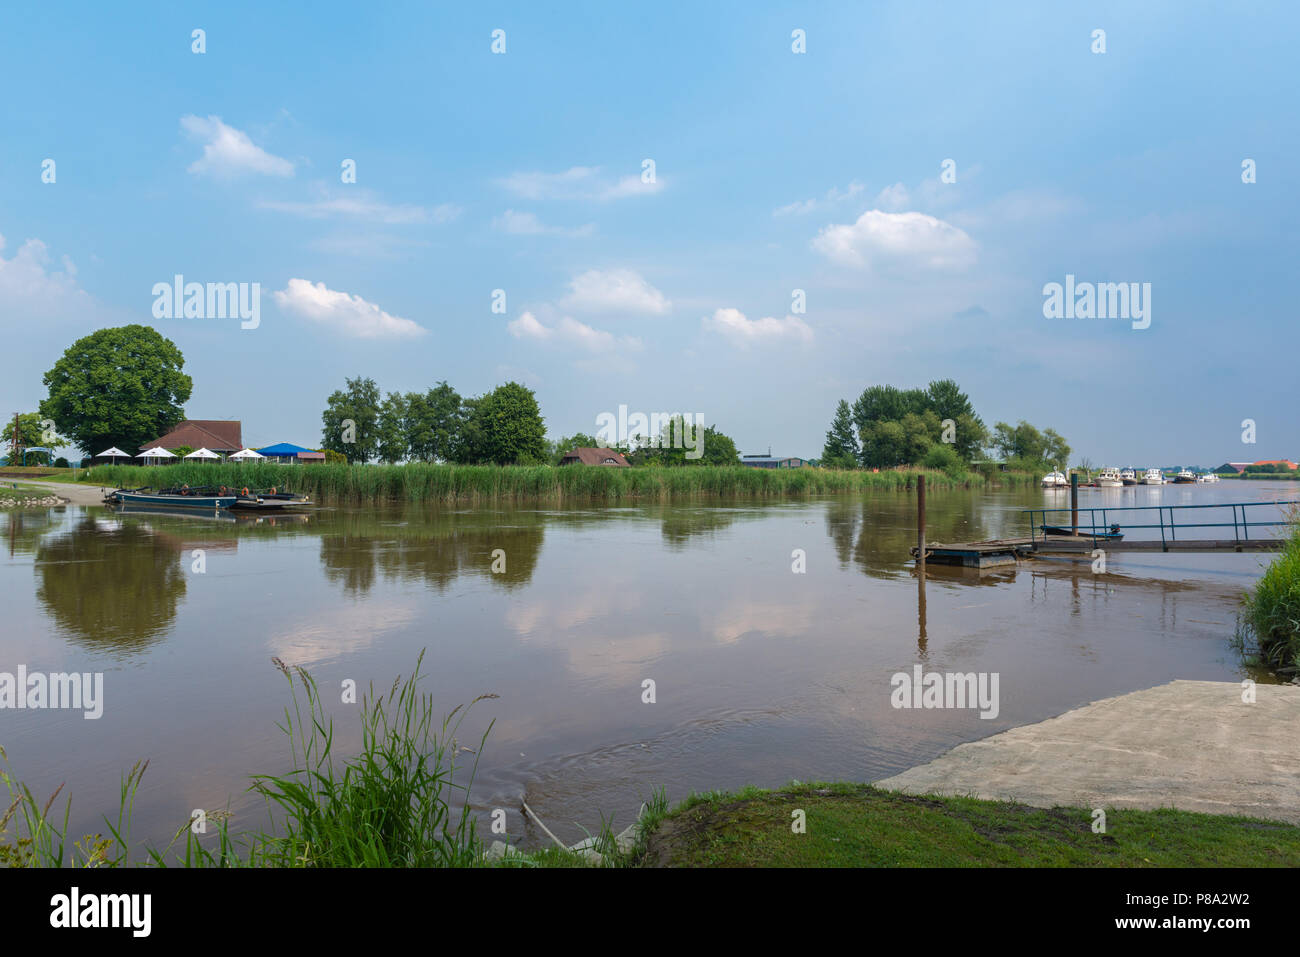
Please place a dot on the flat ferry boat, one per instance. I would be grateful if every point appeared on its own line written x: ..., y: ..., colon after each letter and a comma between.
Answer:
x: 1153, y: 477
x: 182, y: 497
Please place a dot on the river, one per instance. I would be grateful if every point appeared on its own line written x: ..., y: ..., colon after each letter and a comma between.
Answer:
x: 761, y: 673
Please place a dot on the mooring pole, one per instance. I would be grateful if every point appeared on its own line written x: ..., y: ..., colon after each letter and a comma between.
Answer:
x: 920, y: 523
x: 1074, y: 502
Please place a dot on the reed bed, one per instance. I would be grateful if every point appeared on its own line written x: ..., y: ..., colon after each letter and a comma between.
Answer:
x: 470, y: 484
x: 1273, y: 608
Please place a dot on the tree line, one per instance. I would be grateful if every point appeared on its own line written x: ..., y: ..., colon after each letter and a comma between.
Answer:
x: 936, y: 426
x: 502, y: 427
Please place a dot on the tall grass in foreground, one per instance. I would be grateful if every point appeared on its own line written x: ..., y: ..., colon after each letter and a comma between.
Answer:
x: 469, y: 484
x: 1273, y: 607
x: 390, y: 806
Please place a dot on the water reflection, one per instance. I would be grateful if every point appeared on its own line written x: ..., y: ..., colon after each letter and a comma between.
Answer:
x: 110, y: 586
x: 358, y: 548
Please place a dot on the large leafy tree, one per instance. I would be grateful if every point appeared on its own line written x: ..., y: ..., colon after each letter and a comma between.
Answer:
x: 433, y: 422
x: 351, y: 420
x: 1023, y: 441
x: 504, y: 427
x: 391, y: 439
x: 841, y: 450
x: 719, y: 449
x: 120, y: 386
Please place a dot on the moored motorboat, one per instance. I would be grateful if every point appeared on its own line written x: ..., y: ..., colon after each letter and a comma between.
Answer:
x: 1109, y: 478
x: 1153, y: 477
x: 1128, y: 477
x: 1055, y: 479
x: 1184, y: 477
x: 1209, y: 478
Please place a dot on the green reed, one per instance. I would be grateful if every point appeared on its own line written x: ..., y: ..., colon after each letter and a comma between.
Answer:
x: 470, y: 484
x: 1273, y: 607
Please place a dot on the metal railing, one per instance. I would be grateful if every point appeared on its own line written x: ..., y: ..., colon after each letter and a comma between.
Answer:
x: 1100, y: 530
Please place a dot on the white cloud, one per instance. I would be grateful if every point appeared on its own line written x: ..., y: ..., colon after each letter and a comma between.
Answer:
x: 909, y: 238
x: 577, y: 182
x: 344, y: 313
x: 364, y: 205
x: 617, y: 290
x: 833, y: 195
x: 228, y: 151
x: 527, y: 224
x: 27, y: 280
x: 569, y: 331
x: 732, y: 324
x: 630, y: 186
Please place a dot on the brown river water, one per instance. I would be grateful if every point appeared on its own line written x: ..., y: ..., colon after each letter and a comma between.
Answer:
x: 760, y: 674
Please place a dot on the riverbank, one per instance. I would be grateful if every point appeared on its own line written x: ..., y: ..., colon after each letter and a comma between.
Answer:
x: 478, y: 484
x: 68, y: 492
x: 1203, y: 746
x: 28, y: 495
x: 861, y: 825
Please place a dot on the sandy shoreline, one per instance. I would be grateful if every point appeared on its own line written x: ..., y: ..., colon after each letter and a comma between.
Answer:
x: 75, y: 494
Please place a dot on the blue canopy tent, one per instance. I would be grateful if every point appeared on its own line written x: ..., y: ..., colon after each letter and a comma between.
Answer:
x: 290, y: 453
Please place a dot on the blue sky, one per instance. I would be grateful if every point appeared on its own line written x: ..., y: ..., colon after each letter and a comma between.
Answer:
x: 773, y: 171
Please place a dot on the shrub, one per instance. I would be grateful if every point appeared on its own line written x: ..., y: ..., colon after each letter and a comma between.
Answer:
x: 1273, y: 608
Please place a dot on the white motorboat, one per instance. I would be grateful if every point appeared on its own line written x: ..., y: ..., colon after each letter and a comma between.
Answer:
x: 1055, y: 480
x: 1153, y: 477
x: 1128, y: 477
x: 1110, y: 478
x: 1209, y: 478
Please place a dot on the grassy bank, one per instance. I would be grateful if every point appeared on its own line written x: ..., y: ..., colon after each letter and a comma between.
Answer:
x: 467, y: 484
x: 856, y: 825
x: 1273, y: 609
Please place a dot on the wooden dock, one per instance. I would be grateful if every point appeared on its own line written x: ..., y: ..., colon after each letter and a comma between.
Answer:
x: 1082, y: 538
x: 1009, y: 551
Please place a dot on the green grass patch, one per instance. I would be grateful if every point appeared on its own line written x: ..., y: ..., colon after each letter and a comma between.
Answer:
x: 857, y: 825
x: 470, y: 484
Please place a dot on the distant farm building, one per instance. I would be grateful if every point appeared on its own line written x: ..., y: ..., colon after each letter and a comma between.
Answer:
x: 769, y: 461
x: 594, y: 457
x: 216, y: 435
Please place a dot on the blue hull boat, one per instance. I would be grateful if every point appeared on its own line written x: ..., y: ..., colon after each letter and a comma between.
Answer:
x: 172, y: 499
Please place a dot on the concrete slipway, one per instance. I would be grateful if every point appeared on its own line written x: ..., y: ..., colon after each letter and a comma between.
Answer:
x: 1192, y: 745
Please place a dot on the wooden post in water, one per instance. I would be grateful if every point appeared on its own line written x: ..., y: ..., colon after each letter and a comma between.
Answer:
x: 1074, y: 502
x: 920, y: 523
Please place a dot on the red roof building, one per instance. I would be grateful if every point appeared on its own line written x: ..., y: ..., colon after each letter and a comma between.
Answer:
x: 215, y: 435
x: 594, y: 457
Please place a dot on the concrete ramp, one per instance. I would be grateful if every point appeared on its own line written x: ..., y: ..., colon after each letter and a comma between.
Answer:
x: 1191, y: 745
